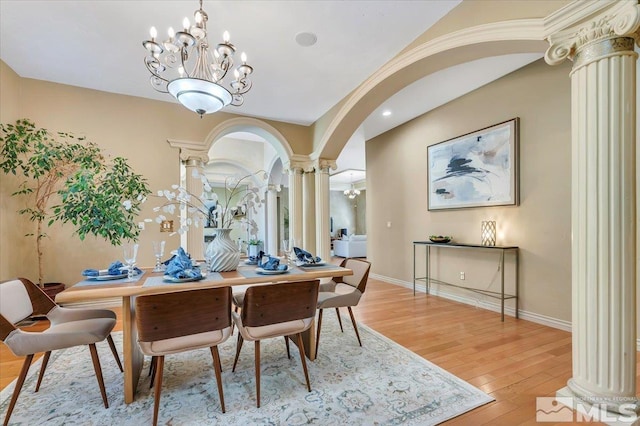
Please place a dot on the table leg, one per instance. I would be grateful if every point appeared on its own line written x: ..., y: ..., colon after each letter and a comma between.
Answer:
x: 309, y: 341
x: 133, y: 357
x: 502, y: 285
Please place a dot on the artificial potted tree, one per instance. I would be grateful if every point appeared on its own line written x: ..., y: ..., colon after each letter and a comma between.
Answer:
x: 70, y: 180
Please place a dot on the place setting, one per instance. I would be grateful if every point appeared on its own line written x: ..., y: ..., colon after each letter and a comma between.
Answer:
x: 117, y: 272
x: 305, y: 259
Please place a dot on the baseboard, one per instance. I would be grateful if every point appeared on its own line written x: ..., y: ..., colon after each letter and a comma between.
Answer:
x: 113, y: 302
x: 484, y: 304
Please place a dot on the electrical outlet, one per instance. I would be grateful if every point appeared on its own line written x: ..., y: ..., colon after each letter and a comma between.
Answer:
x: 462, y: 275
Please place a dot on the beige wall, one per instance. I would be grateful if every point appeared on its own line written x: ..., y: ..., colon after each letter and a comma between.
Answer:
x: 127, y: 126
x: 540, y: 226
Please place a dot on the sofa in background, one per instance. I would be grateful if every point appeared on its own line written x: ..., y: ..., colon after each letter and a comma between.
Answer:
x: 352, y: 246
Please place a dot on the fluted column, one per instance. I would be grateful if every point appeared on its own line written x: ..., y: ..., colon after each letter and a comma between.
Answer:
x: 308, y: 210
x: 295, y: 204
x: 272, y: 221
x: 603, y: 129
x: 323, y: 226
x: 194, y: 160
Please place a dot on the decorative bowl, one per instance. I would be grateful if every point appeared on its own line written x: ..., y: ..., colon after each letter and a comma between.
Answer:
x: 440, y: 239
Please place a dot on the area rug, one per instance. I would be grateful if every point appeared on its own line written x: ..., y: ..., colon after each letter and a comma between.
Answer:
x: 380, y: 383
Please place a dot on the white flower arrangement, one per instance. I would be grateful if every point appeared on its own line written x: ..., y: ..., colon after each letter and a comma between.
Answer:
x: 196, y: 208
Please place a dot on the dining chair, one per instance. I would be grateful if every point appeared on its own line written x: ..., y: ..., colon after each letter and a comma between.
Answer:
x: 170, y: 323
x: 276, y: 310
x: 343, y: 292
x: 20, y: 299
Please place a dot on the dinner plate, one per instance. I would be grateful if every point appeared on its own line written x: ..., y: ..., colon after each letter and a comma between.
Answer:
x: 270, y: 272
x: 108, y: 277
x: 169, y: 278
x: 250, y: 262
x: 308, y: 265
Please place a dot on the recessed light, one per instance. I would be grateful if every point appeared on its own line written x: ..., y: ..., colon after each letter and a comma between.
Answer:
x: 306, y: 39
x: 386, y: 113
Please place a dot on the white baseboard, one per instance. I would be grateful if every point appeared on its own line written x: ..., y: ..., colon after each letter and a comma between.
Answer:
x: 479, y: 302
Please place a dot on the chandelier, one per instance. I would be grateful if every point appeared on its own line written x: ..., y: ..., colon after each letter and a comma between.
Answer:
x: 351, y: 193
x: 184, y: 66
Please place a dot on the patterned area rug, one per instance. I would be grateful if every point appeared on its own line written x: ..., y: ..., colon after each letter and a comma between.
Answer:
x: 380, y: 383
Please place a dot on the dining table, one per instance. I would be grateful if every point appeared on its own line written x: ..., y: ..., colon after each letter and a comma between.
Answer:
x: 149, y: 282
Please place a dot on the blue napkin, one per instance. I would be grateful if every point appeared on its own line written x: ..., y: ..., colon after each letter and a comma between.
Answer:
x: 271, y: 264
x: 181, y: 266
x: 305, y: 256
x: 116, y: 268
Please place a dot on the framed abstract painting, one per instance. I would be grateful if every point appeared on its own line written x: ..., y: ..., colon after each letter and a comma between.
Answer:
x: 479, y: 169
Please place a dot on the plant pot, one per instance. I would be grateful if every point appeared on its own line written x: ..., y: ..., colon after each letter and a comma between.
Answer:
x: 52, y: 289
x: 224, y: 252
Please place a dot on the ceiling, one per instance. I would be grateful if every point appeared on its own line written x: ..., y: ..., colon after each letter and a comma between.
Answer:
x: 98, y: 45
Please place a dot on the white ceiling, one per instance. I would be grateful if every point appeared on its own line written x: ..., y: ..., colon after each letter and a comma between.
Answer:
x: 98, y: 45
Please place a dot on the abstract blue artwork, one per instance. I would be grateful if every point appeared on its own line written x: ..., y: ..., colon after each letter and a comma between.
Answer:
x: 478, y: 169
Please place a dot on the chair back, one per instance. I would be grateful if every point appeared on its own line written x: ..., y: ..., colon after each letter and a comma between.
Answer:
x: 276, y: 303
x: 360, y: 275
x: 170, y: 315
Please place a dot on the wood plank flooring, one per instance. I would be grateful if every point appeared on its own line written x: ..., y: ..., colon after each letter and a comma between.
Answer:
x: 515, y: 361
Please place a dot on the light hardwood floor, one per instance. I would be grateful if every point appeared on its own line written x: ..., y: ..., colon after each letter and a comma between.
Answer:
x: 515, y: 361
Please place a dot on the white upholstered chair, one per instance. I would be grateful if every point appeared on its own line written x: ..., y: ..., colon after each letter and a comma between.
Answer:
x: 276, y: 310
x: 19, y: 299
x: 343, y: 292
x: 183, y: 321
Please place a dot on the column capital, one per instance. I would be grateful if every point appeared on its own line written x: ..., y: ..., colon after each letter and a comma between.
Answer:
x: 195, y: 158
x: 608, y: 33
x: 323, y: 165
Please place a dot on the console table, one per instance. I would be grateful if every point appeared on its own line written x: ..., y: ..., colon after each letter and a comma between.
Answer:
x: 502, y: 296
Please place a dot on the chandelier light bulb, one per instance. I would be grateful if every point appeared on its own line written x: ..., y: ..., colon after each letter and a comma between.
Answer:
x: 236, y: 74
x: 226, y: 37
x: 186, y: 24
x: 171, y: 33
x: 243, y: 58
x: 198, y: 17
x: 153, y: 33
x: 181, y: 71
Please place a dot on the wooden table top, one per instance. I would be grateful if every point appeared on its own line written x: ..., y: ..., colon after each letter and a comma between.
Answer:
x: 105, y: 289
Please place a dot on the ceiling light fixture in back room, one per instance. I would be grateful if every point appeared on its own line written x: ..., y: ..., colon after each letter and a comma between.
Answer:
x: 184, y: 67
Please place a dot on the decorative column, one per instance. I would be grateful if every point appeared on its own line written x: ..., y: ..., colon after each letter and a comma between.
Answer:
x: 194, y: 161
x: 603, y: 129
x: 308, y: 210
x: 271, y: 243
x: 295, y: 204
x: 323, y: 215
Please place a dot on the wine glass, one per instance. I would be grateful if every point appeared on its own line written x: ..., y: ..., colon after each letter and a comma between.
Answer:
x: 130, y: 254
x: 287, y: 249
x: 208, y: 255
x: 158, y: 252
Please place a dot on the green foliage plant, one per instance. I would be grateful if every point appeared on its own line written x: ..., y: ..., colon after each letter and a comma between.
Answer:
x: 98, y: 195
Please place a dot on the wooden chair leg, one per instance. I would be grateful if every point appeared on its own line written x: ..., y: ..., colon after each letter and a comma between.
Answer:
x: 318, y: 333
x: 218, y: 371
x: 355, y: 327
x: 150, y: 366
x: 286, y: 342
x: 98, y: 370
x: 339, y: 319
x: 45, y: 361
x: 114, y: 352
x: 158, y: 389
x: 152, y: 370
x: 257, y: 345
x: 304, y: 363
x: 238, y: 349
x: 18, y: 388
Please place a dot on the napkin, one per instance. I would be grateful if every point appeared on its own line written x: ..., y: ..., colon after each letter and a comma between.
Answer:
x: 271, y: 264
x: 305, y: 256
x: 181, y: 266
x: 115, y: 268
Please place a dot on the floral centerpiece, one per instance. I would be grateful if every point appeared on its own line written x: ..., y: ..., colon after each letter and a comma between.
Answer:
x: 207, y: 207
